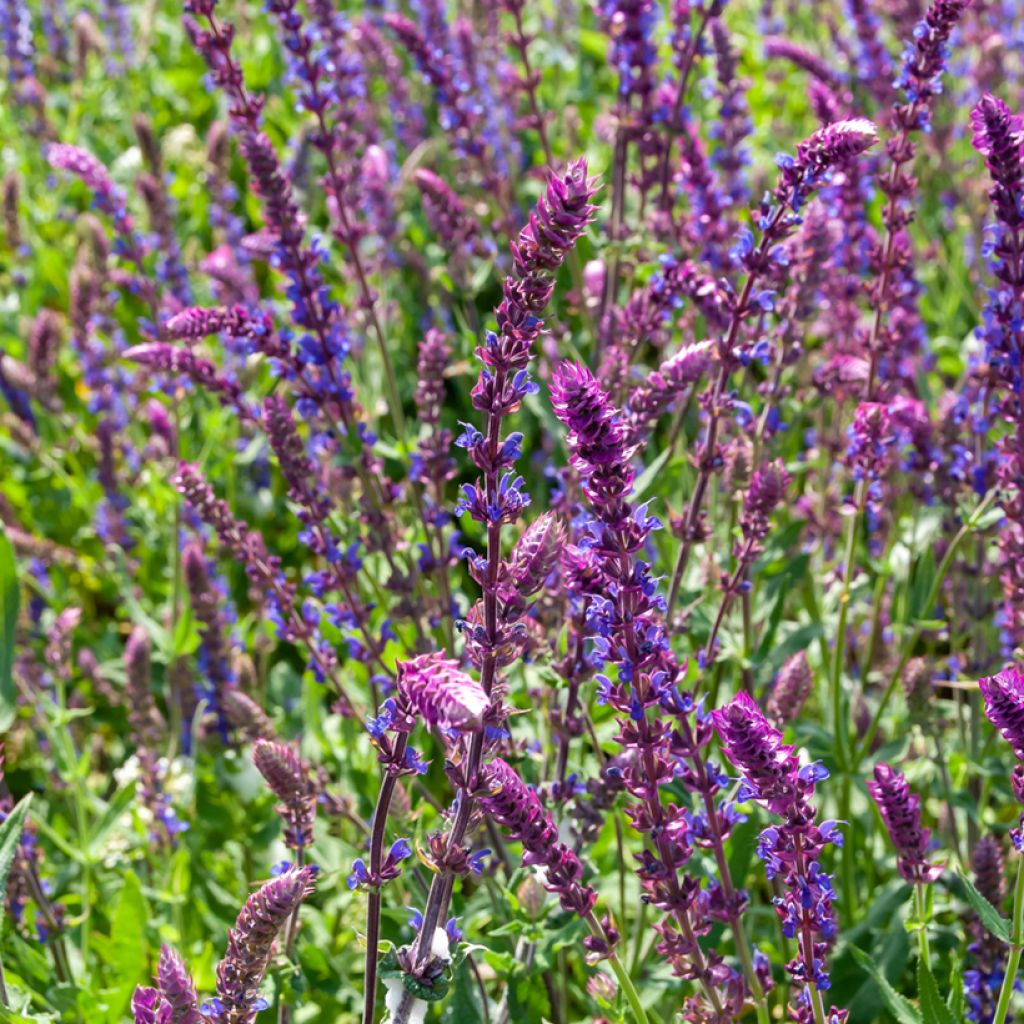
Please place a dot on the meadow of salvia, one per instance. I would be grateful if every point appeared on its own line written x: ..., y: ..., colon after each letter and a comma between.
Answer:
x: 511, y: 512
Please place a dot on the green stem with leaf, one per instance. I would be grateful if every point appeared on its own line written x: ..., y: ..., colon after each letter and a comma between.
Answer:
x: 1016, y: 942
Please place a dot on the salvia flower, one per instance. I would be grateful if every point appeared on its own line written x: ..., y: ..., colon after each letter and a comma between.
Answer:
x: 250, y: 945
x: 517, y: 808
x: 149, y: 1007
x: 442, y: 694
x: 772, y: 775
x: 999, y: 135
x: 177, y: 988
x: 363, y: 877
x: 790, y: 691
x: 901, y: 811
x: 767, y: 488
x: 831, y: 146
x: 663, y: 388
x: 245, y: 715
x: 289, y: 779
x: 925, y: 58
x: 1004, y: 706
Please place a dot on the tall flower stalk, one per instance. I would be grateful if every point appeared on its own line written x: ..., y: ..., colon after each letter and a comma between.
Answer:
x: 1004, y: 706
x: 497, y: 498
x: 799, y: 177
x: 655, y: 727
x: 773, y: 776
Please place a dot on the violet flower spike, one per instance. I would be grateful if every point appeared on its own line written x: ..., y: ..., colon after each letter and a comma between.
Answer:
x: 517, y: 808
x: 250, y: 944
x: 790, y: 690
x: 772, y: 775
x: 442, y: 694
x: 288, y: 778
x: 901, y: 812
x: 177, y: 988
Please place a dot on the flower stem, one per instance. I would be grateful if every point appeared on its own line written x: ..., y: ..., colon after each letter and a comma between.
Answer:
x: 380, y: 815
x: 1016, y: 940
x: 839, y: 724
x: 921, y: 901
x: 621, y: 975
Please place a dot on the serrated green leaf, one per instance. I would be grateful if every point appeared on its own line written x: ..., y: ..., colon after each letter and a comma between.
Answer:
x: 901, y: 1008
x: 933, y: 1007
x: 428, y: 993
x: 8, y: 618
x: 10, y: 834
x: 993, y: 921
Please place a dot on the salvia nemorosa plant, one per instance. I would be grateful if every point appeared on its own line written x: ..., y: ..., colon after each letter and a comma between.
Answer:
x: 588, y: 589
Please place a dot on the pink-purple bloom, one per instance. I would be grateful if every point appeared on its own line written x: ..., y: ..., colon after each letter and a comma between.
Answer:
x: 901, y: 811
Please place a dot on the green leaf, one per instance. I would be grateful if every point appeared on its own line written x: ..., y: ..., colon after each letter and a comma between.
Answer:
x: 8, y: 617
x: 650, y: 474
x: 993, y: 921
x: 933, y: 1007
x: 127, y: 932
x: 899, y: 1006
x: 118, y: 804
x: 10, y: 834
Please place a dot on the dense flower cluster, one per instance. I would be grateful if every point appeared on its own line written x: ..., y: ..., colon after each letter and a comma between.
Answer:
x: 772, y: 775
x: 761, y: 485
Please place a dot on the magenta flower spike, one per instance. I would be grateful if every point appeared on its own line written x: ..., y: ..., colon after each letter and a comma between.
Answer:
x: 901, y: 812
x: 251, y: 943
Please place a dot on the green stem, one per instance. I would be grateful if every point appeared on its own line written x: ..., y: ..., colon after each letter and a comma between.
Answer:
x: 921, y: 900
x: 839, y: 724
x: 850, y: 874
x: 756, y: 991
x: 1013, y: 962
x: 622, y: 976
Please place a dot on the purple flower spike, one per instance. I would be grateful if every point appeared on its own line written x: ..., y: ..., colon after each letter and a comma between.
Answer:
x: 441, y: 693
x: 1004, y: 705
x: 288, y: 777
x: 250, y: 943
x: 535, y: 556
x: 597, y: 439
x: 517, y: 808
x: 234, y: 321
x: 772, y: 775
x: 177, y: 988
x: 989, y: 869
x: 831, y: 146
x: 757, y: 750
x: 791, y: 690
x: 925, y: 60
x: 149, y: 1008
x: 901, y: 812
x: 561, y: 216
